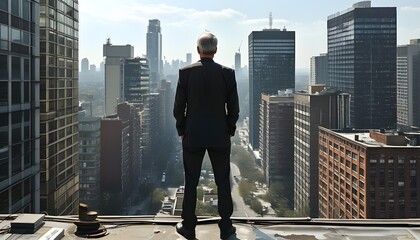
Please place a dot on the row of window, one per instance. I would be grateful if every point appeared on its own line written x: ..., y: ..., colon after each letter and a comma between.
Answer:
x: 19, y: 8
x: 18, y: 65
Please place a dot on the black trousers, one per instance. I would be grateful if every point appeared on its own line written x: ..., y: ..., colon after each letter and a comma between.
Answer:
x: 220, y: 161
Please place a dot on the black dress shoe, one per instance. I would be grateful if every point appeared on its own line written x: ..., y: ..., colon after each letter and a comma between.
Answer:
x: 188, y: 234
x: 225, y: 234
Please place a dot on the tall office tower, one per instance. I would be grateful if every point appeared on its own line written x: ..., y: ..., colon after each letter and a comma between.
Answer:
x: 19, y: 107
x: 168, y: 103
x: 238, y: 68
x: 85, y: 65
x: 362, y: 61
x: 408, y: 85
x: 276, y: 131
x: 136, y: 80
x: 189, y: 58
x: 115, y: 160
x: 318, y: 107
x: 154, y: 52
x: 59, y: 43
x: 319, y: 69
x: 136, y: 91
x: 89, y: 159
x: 114, y: 54
x: 271, y: 68
x: 368, y: 174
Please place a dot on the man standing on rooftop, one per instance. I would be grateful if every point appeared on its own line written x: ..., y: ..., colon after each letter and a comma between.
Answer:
x: 206, y: 109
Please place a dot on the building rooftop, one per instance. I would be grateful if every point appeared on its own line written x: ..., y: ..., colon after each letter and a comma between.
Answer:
x: 381, y: 138
x: 154, y: 227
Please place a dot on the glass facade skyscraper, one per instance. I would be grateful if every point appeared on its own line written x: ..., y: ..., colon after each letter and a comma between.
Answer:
x: 271, y: 68
x: 154, y: 52
x: 362, y: 61
x: 59, y: 43
x: 19, y: 106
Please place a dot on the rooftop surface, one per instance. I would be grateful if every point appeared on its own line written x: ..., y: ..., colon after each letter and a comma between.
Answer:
x: 365, y: 139
x: 153, y: 227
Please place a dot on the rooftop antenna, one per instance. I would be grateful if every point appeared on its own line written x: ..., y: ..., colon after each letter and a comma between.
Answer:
x: 239, y: 49
x: 270, y: 19
x: 108, y: 40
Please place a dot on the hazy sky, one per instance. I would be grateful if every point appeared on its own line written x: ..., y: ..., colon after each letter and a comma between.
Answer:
x: 182, y: 21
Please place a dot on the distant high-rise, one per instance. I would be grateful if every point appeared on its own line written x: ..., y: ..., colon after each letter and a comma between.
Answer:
x: 189, y: 58
x: 319, y: 70
x: 271, y: 68
x: 362, y: 61
x: 85, y: 65
x: 318, y: 107
x: 114, y: 54
x: 276, y: 132
x: 368, y: 174
x: 59, y: 107
x: 19, y: 107
x: 136, y: 80
x: 408, y: 85
x: 154, y: 52
x: 238, y: 68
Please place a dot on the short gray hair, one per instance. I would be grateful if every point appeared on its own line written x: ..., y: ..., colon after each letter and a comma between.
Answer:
x: 207, y: 43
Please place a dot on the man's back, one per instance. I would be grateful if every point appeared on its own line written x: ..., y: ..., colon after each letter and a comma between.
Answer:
x: 209, y: 90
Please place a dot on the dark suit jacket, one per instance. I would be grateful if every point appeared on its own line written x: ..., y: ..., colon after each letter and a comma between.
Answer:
x: 206, y: 104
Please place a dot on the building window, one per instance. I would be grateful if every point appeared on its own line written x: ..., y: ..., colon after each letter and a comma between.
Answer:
x: 16, y: 93
x: 16, y: 67
x: 4, y: 5
x: 4, y: 68
x: 15, y: 7
x: 4, y: 93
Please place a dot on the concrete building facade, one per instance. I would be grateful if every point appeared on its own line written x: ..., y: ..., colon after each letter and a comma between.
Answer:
x: 114, y: 54
x: 318, y: 107
x: 408, y: 85
x: 319, y: 69
x: 276, y: 131
x: 59, y: 88
x: 89, y: 160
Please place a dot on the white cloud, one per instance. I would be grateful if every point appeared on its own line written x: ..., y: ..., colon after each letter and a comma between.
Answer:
x: 263, y: 21
x: 131, y: 11
x: 410, y: 9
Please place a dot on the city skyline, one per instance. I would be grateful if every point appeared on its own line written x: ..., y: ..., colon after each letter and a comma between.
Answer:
x: 125, y: 22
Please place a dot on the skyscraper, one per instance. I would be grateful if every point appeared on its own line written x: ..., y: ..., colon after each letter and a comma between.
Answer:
x: 408, y: 85
x: 114, y: 54
x: 85, y: 65
x: 189, y: 58
x: 19, y: 107
x: 238, y: 68
x: 59, y: 43
x: 154, y: 52
x: 319, y: 70
x: 362, y: 61
x: 271, y: 68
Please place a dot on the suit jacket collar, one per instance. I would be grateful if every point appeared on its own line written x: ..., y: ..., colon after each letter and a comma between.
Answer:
x: 206, y: 60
